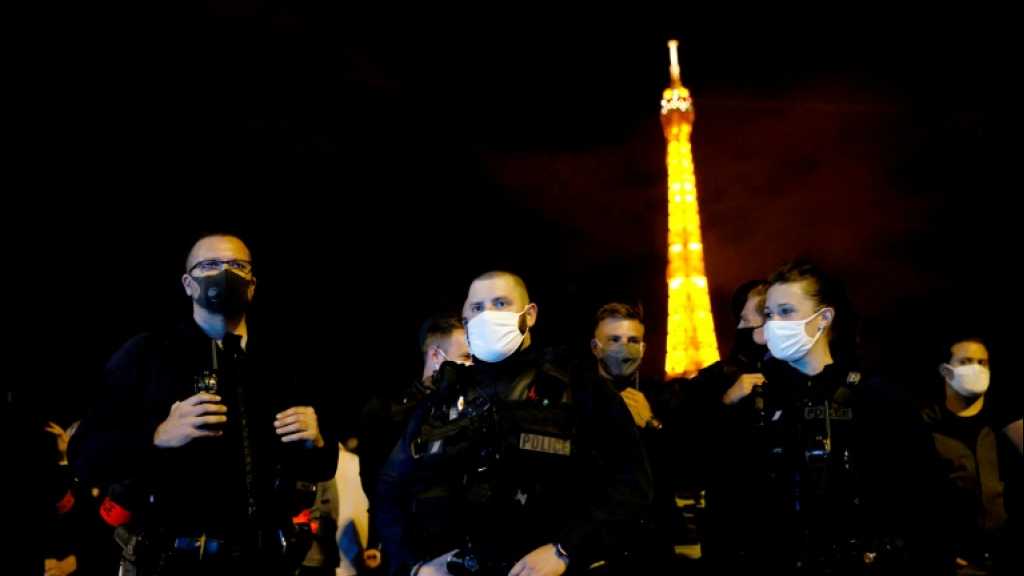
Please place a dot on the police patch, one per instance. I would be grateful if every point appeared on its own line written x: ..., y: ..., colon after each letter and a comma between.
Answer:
x: 545, y: 444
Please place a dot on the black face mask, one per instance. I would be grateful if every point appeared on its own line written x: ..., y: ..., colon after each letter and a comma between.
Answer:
x: 621, y: 361
x: 223, y: 293
x: 745, y: 351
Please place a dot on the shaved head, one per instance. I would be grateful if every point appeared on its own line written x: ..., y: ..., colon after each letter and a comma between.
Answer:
x: 515, y: 279
x: 497, y: 290
x: 223, y: 246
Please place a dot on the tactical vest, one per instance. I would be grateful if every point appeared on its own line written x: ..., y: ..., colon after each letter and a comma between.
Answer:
x: 497, y: 463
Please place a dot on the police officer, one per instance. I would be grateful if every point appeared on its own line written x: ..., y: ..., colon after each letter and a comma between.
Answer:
x: 213, y: 428
x: 843, y: 461
x: 385, y: 416
x: 511, y: 467
x: 721, y: 410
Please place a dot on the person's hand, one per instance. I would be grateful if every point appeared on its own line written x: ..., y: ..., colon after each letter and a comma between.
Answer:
x: 299, y: 423
x: 63, y: 567
x: 62, y: 439
x: 436, y: 567
x: 183, y: 423
x: 638, y: 406
x: 742, y: 388
x: 544, y: 561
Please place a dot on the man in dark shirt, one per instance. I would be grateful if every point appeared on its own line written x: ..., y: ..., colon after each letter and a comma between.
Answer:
x: 211, y: 435
x: 618, y: 347
x: 973, y: 436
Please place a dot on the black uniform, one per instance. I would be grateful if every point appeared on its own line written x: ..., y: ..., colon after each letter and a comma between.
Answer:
x: 382, y: 422
x: 508, y: 457
x: 237, y: 490
x: 725, y: 457
x: 836, y: 474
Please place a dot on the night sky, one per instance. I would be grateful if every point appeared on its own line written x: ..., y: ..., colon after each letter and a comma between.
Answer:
x: 376, y: 167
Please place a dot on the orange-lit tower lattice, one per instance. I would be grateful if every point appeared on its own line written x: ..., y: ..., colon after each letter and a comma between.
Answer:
x: 691, y: 343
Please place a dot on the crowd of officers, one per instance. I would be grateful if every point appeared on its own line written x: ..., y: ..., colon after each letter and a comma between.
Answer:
x: 210, y: 451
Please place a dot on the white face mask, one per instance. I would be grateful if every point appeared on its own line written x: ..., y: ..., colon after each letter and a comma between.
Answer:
x: 970, y: 380
x: 494, y: 335
x: 787, y: 339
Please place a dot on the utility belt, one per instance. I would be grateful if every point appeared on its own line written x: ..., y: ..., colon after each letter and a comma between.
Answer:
x: 146, y: 550
x: 204, y: 548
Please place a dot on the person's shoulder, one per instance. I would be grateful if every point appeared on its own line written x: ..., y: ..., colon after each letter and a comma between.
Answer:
x: 711, y: 371
x: 150, y: 343
x: 855, y: 379
x: 932, y: 415
x: 135, y: 347
x: 654, y: 383
x: 850, y: 382
x: 1003, y: 405
x: 871, y: 384
x: 555, y: 363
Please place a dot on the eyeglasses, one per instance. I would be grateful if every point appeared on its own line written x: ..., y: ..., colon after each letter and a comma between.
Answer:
x: 207, y: 267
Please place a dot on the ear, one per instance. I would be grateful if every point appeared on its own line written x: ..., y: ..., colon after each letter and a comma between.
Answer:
x: 186, y: 282
x: 252, y: 288
x: 828, y: 315
x: 643, y: 348
x: 947, y: 372
x: 531, y: 315
x: 594, y: 345
x: 433, y: 358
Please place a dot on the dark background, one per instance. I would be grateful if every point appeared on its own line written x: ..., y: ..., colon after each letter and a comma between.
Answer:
x: 375, y: 167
